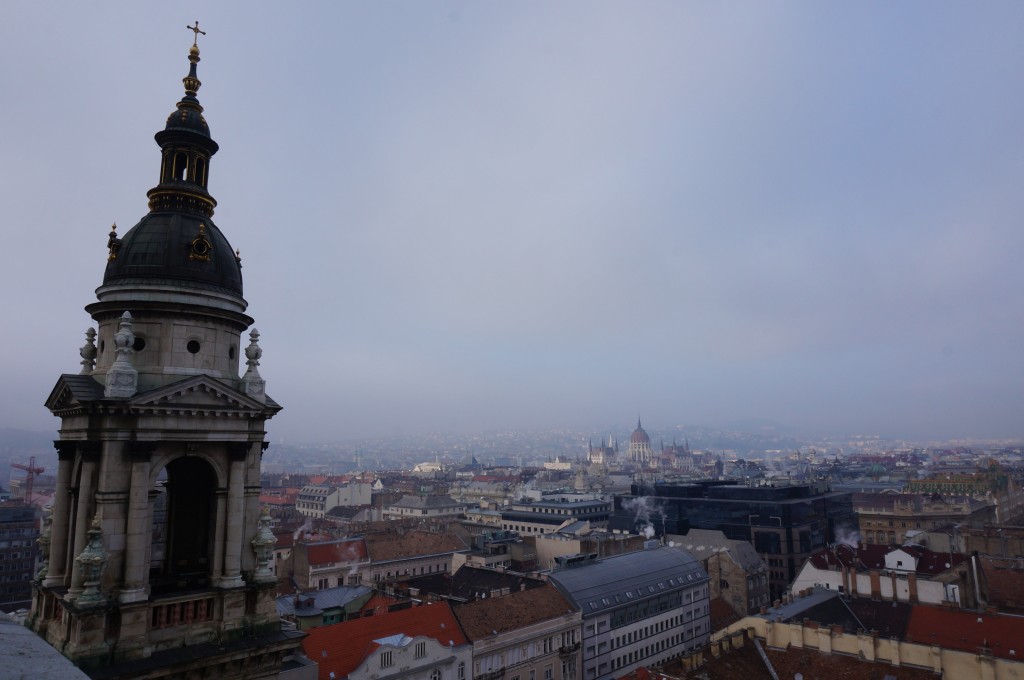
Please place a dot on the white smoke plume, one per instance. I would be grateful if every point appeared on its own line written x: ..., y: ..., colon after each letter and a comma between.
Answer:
x: 644, y: 510
x: 306, y: 526
x: 845, y: 536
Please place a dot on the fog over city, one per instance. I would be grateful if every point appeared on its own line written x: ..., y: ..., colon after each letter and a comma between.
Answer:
x: 457, y: 216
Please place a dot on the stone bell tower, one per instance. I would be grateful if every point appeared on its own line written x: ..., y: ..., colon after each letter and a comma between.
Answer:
x: 156, y: 549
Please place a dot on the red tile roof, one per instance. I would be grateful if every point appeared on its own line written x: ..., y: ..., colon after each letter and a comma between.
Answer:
x: 518, y: 609
x: 342, y: 647
x: 722, y: 614
x: 873, y: 557
x: 285, y: 539
x: 413, y: 544
x: 379, y: 603
x: 1004, y: 583
x: 277, y: 499
x: 967, y: 631
x: 337, y: 552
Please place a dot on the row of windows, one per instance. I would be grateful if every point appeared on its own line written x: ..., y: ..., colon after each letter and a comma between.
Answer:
x: 654, y: 606
x: 15, y: 555
x: 387, y: 660
x: 176, y: 613
x: 513, y: 656
x: 639, y: 592
x: 414, y: 571
x: 4, y: 533
x: 648, y: 650
x: 25, y: 566
x: 549, y: 672
x: 881, y: 523
x: 657, y: 627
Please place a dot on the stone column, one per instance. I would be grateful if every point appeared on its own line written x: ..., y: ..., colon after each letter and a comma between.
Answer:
x: 57, y: 568
x: 217, y: 569
x: 82, y: 519
x: 137, y: 531
x: 235, y: 517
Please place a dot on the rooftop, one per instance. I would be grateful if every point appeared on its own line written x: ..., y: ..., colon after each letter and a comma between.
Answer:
x: 485, y: 617
x: 342, y: 551
x: 413, y: 543
x: 330, y: 598
x: 928, y: 562
x: 633, y: 576
x: 341, y: 648
x: 1001, y: 634
x: 427, y: 502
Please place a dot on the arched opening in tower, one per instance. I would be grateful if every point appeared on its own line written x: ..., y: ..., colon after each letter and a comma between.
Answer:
x: 180, y: 167
x: 184, y: 515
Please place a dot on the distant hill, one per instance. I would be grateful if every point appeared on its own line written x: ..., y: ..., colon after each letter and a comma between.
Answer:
x: 757, y: 426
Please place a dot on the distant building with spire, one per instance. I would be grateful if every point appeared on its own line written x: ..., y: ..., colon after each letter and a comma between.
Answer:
x: 640, y: 445
x: 604, y: 453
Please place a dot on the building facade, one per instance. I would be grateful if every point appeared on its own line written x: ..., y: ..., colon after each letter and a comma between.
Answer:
x: 893, y: 519
x: 526, y: 634
x: 638, y: 609
x: 736, y: 572
x: 18, y: 533
x: 157, y: 541
x: 318, y: 500
x: 425, y: 507
x: 898, y: 574
x: 544, y: 516
x: 785, y: 523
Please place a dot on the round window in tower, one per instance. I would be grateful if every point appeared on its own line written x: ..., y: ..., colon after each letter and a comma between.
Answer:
x: 231, y: 352
x: 139, y: 344
x: 193, y: 346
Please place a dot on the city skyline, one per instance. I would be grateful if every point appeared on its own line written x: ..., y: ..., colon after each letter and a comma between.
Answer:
x: 462, y: 217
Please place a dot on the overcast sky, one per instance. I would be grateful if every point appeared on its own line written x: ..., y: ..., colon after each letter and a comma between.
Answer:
x: 462, y: 216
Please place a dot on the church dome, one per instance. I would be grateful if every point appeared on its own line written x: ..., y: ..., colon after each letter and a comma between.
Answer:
x: 179, y: 249
x: 187, y: 119
x: 639, y: 436
x: 177, y: 243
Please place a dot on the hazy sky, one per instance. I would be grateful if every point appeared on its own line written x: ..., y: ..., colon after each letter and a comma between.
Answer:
x: 462, y: 216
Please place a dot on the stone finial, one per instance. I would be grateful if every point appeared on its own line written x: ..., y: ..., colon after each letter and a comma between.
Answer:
x: 122, y: 378
x: 263, y: 546
x: 88, y: 351
x: 44, y: 545
x: 91, y: 562
x: 252, y: 383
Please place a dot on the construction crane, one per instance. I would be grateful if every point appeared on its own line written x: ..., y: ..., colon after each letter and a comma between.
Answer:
x: 30, y: 475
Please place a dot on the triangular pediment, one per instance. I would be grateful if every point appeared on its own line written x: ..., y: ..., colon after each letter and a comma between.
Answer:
x: 201, y: 393
x: 73, y: 391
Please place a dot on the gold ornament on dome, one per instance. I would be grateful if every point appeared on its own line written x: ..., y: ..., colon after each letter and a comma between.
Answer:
x: 200, y: 247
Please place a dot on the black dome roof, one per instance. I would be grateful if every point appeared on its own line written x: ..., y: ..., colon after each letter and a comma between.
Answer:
x: 163, y: 248
x: 187, y: 118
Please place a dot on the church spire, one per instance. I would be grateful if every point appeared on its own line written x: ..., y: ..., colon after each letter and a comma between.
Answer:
x: 186, y: 148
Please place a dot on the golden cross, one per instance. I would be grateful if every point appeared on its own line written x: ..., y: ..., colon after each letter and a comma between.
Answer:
x: 195, y: 29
